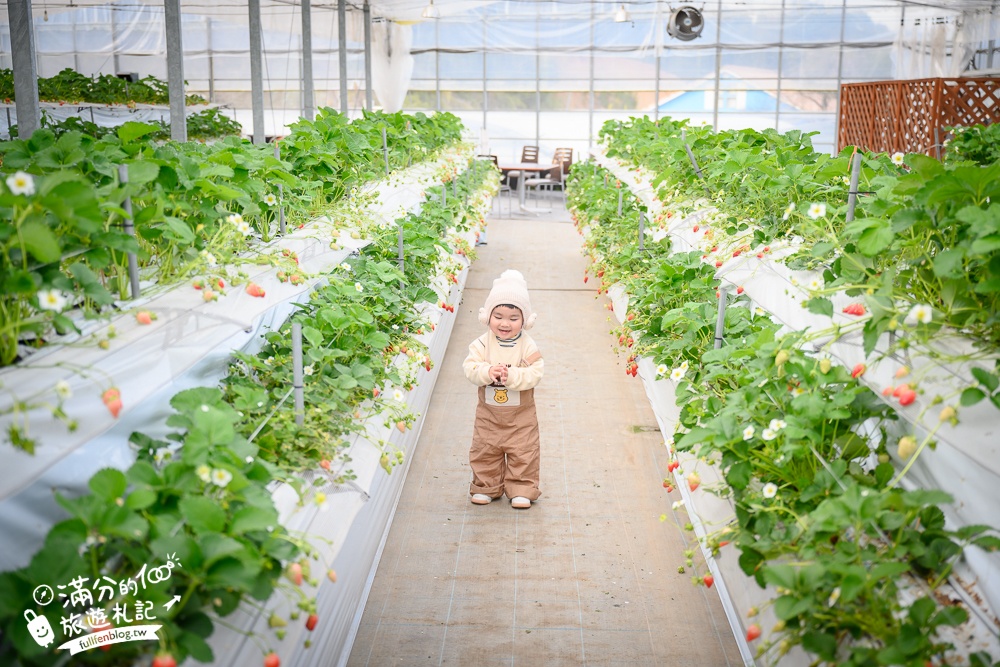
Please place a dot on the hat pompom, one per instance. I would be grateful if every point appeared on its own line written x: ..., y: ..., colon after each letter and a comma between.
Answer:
x: 512, y: 273
x: 484, y: 317
x: 530, y: 322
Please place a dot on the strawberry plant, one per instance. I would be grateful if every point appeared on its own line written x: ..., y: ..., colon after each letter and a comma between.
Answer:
x: 818, y: 514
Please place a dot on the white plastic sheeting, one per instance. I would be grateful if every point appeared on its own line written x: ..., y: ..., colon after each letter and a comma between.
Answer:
x: 965, y: 463
x: 392, y: 63
x: 187, y: 345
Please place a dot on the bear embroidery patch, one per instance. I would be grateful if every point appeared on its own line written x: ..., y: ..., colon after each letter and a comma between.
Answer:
x: 502, y: 397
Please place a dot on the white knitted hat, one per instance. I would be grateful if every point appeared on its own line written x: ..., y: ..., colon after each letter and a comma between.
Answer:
x: 510, y: 288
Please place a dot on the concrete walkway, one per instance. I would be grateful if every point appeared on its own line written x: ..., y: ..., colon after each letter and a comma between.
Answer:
x: 588, y: 575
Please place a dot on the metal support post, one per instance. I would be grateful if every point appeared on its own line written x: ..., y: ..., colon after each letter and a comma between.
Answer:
x: 368, y: 55
x: 720, y: 321
x: 308, y: 86
x: 133, y: 263
x: 642, y: 230
x: 300, y: 407
x: 22, y: 57
x: 385, y: 152
x: 342, y: 49
x: 281, y: 195
x: 256, y: 71
x: 852, y: 195
x: 175, y: 69
x: 399, y: 254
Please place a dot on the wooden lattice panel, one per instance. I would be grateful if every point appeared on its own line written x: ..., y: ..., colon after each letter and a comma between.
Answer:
x: 910, y: 116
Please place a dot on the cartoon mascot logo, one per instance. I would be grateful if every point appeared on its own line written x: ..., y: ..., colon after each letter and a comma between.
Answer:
x: 500, y: 395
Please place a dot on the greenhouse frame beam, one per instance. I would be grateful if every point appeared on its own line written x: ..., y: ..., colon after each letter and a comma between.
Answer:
x: 256, y: 75
x: 718, y: 67
x: 368, y: 55
x: 175, y: 69
x: 308, y: 87
x: 22, y: 47
x: 342, y: 49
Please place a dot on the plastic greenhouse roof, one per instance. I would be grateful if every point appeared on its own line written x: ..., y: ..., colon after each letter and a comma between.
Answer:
x: 411, y: 10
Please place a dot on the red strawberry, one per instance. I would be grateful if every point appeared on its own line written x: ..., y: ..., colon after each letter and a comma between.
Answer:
x: 854, y: 309
x: 253, y: 289
x: 674, y: 465
x: 767, y: 248
x: 111, y: 395
x: 198, y: 284
x: 739, y: 290
x: 164, y: 660
x: 888, y: 391
x: 586, y: 278
x: 694, y: 481
x: 295, y: 573
x: 907, y: 397
x: 144, y: 317
x: 375, y: 392
x: 272, y: 660
x: 221, y: 283
x: 760, y: 255
x: 311, y: 622
x: 753, y: 632
x: 736, y: 253
x: 114, y: 407
x: 708, y: 580
x: 325, y: 464
x: 631, y: 316
x: 897, y: 392
x: 858, y: 370
x: 695, y: 230
x: 718, y: 263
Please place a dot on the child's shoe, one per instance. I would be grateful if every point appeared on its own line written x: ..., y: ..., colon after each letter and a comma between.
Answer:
x: 481, y: 499
x: 520, y: 503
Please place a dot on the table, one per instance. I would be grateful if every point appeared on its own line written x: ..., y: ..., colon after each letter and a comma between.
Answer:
x: 526, y: 167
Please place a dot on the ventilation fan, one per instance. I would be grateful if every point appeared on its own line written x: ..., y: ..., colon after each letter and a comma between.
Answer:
x: 685, y: 24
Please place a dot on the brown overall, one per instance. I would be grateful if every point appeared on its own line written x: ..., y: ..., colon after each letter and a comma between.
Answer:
x: 505, y: 454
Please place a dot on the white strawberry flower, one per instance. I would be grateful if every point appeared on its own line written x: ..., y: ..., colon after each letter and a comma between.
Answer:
x: 816, y: 284
x: 209, y: 258
x: 308, y: 370
x: 204, y: 472
x: 221, y: 477
x: 661, y: 369
x: 817, y: 211
x: 770, y: 490
x: 234, y: 219
x: 677, y: 374
x: 748, y: 432
x: 921, y: 313
x: 243, y: 227
x: 788, y: 211
x: 358, y: 287
x: 777, y: 424
x: 63, y: 390
x: 270, y: 199
x: 797, y: 391
x: 398, y: 395
x: 898, y: 159
x: 52, y: 299
x: 21, y: 183
x: 769, y: 434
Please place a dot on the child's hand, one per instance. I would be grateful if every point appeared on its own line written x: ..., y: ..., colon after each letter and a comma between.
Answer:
x: 498, y: 373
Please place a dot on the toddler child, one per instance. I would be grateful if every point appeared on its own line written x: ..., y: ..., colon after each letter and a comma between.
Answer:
x: 506, y: 365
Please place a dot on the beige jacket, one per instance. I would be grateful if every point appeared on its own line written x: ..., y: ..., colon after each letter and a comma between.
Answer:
x: 524, y: 361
